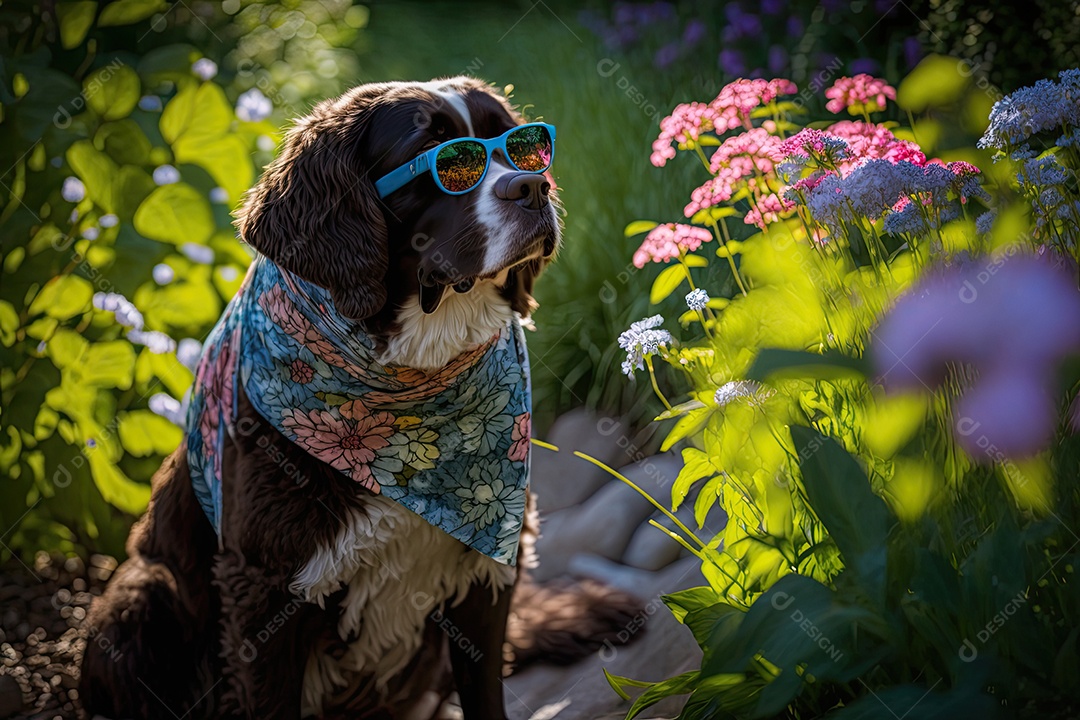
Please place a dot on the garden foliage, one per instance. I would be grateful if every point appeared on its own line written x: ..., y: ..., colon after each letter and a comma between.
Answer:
x: 880, y: 405
x: 123, y: 152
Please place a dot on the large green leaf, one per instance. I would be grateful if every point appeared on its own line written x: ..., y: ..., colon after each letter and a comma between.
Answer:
x: 143, y: 433
x: 678, y: 685
x: 774, y: 362
x: 669, y: 279
x: 118, y: 489
x: 109, y: 364
x: 112, y: 91
x: 840, y: 495
x: 96, y: 170
x: 76, y: 18
x: 685, y: 601
x: 63, y: 297
x: 175, y: 214
x: 696, y: 465
x: 127, y: 12
x: 198, y: 112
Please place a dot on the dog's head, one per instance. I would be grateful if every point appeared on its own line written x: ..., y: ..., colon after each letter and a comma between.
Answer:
x: 316, y: 212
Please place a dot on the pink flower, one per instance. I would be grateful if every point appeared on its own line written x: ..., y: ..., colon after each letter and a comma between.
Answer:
x: 713, y: 192
x: 347, y: 445
x: 760, y: 149
x: 991, y: 315
x: 664, y: 243
x: 769, y: 208
x: 962, y: 169
x: 520, y: 435
x: 685, y: 124
x: 743, y: 96
x: 859, y: 93
x: 301, y: 372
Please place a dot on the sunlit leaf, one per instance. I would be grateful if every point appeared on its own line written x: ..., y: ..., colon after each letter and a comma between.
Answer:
x: 63, y: 297
x: 143, y: 433
x: 75, y: 18
x: 669, y: 279
x: 112, y: 91
x: 175, y: 214
x: 126, y: 12
x: 639, y: 226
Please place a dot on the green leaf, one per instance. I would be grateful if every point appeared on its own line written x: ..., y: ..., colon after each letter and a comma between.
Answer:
x: 685, y: 601
x: 131, y: 186
x: 695, y: 261
x: 679, y: 410
x: 124, y: 141
x: 175, y: 214
x: 143, y: 433
x: 935, y: 82
x: 116, y: 487
x: 708, y: 141
x: 696, y: 465
x: 112, y: 91
x: 9, y: 323
x: 227, y: 159
x: 63, y: 297
x: 639, y: 226
x: 619, y: 684
x: 667, y: 282
x: 688, y: 424
x: 678, y: 685
x: 66, y: 348
x: 712, y: 214
x: 776, y: 363
x: 840, y: 495
x: 198, y: 113
x: 96, y: 170
x: 75, y: 18
x: 109, y: 364
x: 126, y: 12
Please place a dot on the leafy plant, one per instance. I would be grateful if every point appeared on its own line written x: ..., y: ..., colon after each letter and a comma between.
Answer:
x: 900, y: 549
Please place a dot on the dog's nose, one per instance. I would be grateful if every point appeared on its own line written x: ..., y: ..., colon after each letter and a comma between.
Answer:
x: 529, y: 190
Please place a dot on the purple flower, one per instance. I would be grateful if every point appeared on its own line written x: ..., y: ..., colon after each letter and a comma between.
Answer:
x: 731, y: 61
x: 1013, y: 318
x: 666, y: 55
x: 864, y: 65
x: 693, y: 33
x: 253, y: 106
x: 778, y: 58
x: 795, y: 27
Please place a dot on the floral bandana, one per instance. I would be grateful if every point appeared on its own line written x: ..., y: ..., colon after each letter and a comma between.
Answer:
x: 452, y: 446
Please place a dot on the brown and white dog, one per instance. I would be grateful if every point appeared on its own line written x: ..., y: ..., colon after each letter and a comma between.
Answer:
x: 321, y: 598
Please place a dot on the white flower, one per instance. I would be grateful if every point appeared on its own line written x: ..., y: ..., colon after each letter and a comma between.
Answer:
x: 150, y: 103
x: 166, y: 175
x: 253, y: 106
x: 188, y: 352
x: 228, y: 273
x: 219, y: 195
x: 204, y: 68
x: 697, y: 299
x: 740, y: 390
x: 91, y: 233
x: 126, y: 313
x: 108, y: 220
x: 641, y: 341
x: 157, y: 342
x: 265, y: 143
x: 163, y: 274
x: 197, y: 253
x: 168, y: 407
x: 73, y: 190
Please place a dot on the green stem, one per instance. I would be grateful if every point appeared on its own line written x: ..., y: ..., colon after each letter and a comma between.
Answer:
x: 656, y: 388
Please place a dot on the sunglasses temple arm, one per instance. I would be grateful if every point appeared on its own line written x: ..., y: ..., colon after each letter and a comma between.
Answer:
x: 398, y: 178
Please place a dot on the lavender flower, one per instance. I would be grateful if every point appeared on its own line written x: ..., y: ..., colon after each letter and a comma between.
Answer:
x: 1046, y: 105
x: 157, y: 342
x: 197, y: 253
x: 166, y: 175
x: 108, y: 220
x: 253, y: 106
x: 642, y: 340
x: 188, y: 352
x: 168, y: 407
x: 984, y: 222
x: 204, y: 68
x: 163, y: 274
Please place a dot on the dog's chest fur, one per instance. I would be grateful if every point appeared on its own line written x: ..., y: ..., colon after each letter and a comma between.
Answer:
x: 398, y: 569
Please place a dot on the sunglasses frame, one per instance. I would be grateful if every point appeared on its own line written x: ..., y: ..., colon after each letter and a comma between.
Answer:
x: 425, y: 162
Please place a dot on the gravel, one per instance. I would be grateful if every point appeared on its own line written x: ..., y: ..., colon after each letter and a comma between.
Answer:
x: 41, y: 643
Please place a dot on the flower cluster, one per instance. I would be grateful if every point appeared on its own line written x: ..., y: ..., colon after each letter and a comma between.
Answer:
x: 697, y: 299
x: 1046, y: 106
x: 859, y: 95
x: 641, y: 341
x: 729, y: 110
x: 666, y: 242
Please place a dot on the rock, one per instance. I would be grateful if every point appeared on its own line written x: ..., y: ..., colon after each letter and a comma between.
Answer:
x: 561, y: 479
x: 605, y: 523
x: 664, y: 649
x: 11, y: 697
x: 651, y: 549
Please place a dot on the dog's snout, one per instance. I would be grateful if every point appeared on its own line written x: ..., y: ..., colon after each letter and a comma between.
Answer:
x: 529, y: 190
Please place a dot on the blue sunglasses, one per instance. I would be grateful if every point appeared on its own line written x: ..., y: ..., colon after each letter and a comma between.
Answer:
x: 460, y: 164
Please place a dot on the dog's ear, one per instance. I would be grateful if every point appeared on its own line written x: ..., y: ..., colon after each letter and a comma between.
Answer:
x: 315, y: 211
x: 519, y: 286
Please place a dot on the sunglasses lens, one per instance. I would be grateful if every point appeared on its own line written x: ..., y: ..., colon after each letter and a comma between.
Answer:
x: 461, y: 165
x: 530, y: 148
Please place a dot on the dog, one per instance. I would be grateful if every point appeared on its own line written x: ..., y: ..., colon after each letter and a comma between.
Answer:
x: 284, y: 571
